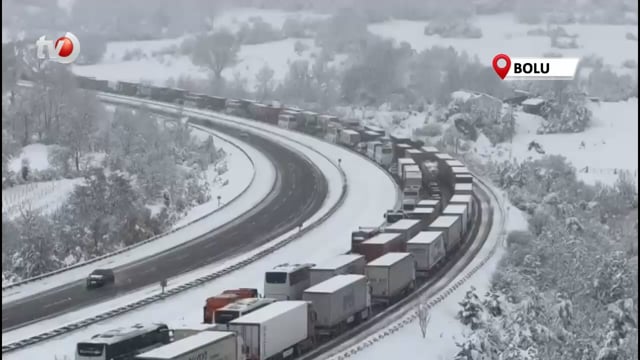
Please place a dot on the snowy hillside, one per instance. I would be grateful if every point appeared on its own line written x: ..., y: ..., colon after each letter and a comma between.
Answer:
x: 502, y: 34
x: 158, y: 60
x: 610, y: 144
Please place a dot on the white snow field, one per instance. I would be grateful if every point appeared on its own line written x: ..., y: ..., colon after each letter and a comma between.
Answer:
x: 157, y: 69
x: 233, y: 18
x: 444, y: 330
x: 502, y: 34
x: 243, y: 194
x: 330, y: 238
x: 611, y: 143
x: 44, y: 196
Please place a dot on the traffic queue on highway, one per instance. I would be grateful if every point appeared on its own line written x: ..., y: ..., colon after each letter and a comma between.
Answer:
x: 304, y: 305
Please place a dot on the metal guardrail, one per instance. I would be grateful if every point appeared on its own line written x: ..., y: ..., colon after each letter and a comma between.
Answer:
x: 443, y: 294
x: 146, y: 241
x: 191, y: 284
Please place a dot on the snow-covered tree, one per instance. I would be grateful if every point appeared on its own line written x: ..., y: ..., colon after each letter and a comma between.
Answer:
x: 265, y: 83
x: 35, y: 255
x: 216, y: 52
x: 471, y: 312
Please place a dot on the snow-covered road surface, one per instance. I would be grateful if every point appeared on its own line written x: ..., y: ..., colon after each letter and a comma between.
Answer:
x: 248, y: 164
x: 370, y: 192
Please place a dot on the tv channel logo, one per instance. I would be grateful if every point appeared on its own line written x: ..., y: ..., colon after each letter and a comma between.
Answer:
x: 65, y: 50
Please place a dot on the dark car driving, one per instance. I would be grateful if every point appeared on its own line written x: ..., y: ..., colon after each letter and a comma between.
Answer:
x: 100, y: 277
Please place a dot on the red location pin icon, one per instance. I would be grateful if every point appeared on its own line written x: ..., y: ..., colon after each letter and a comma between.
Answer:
x: 504, y: 70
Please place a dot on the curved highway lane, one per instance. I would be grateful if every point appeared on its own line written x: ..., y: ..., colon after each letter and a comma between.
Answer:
x: 299, y: 192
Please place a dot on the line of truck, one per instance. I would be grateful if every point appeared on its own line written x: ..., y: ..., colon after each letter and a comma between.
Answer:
x: 303, y: 305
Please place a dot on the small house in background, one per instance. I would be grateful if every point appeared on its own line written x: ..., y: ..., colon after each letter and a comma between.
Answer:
x: 533, y: 106
x: 484, y: 108
x: 517, y: 97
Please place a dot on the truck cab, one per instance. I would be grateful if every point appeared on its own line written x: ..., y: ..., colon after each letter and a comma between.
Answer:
x: 394, y: 215
x: 409, y: 204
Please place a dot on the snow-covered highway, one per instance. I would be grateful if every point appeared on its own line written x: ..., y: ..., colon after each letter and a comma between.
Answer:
x: 253, y: 163
x: 332, y: 237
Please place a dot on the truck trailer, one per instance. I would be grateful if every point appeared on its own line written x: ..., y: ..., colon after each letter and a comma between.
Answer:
x: 466, y: 200
x: 408, y: 228
x: 454, y: 163
x: 183, y: 332
x: 339, y: 302
x: 240, y: 308
x: 225, y: 298
x: 427, y: 249
x: 431, y: 150
x: 460, y: 170
x: 463, y: 178
x: 371, y: 148
x: 402, y: 162
x: 451, y: 227
x: 462, y: 199
x: 412, y: 184
x: 425, y: 214
x: 400, y: 150
x: 458, y: 210
x: 349, y: 137
x: 384, y: 155
x: 279, y: 330
x: 380, y: 245
x: 223, y: 345
x: 391, y: 276
x: 417, y: 155
x: 337, y: 265
x: 463, y: 189
x: 430, y: 203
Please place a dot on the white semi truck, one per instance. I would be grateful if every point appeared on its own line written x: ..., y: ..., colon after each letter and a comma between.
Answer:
x: 412, y: 185
x: 205, y: 345
x: 281, y: 330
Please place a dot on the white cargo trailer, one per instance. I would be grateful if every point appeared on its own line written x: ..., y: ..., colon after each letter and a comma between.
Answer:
x: 339, y: 302
x: 451, y: 227
x: 349, y: 137
x: 458, y: 210
x: 402, y: 162
x: 371, y: 148
x: 460, y: 170
x: 464, y: 178
x: 373, y: 128
x: 429, y: 203
x: 462, y: 199
x: 384, y: 155
x: 337, y: 265
x: 424, y: 214
x: 427, y: 249
x: 430, y: 149
x: 278, y: 330
x: 443, y: 157
x: 407, y: 227
x: 183, y: 332
x: 416, y: 154
x: 391, y: 276
x: 463, y: 189
x: 402, y: 150
x: 454, y: 163
x: 203, y: 345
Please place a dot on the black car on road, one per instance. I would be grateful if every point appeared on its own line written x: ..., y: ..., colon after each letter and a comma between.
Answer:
x: 100, y: 277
